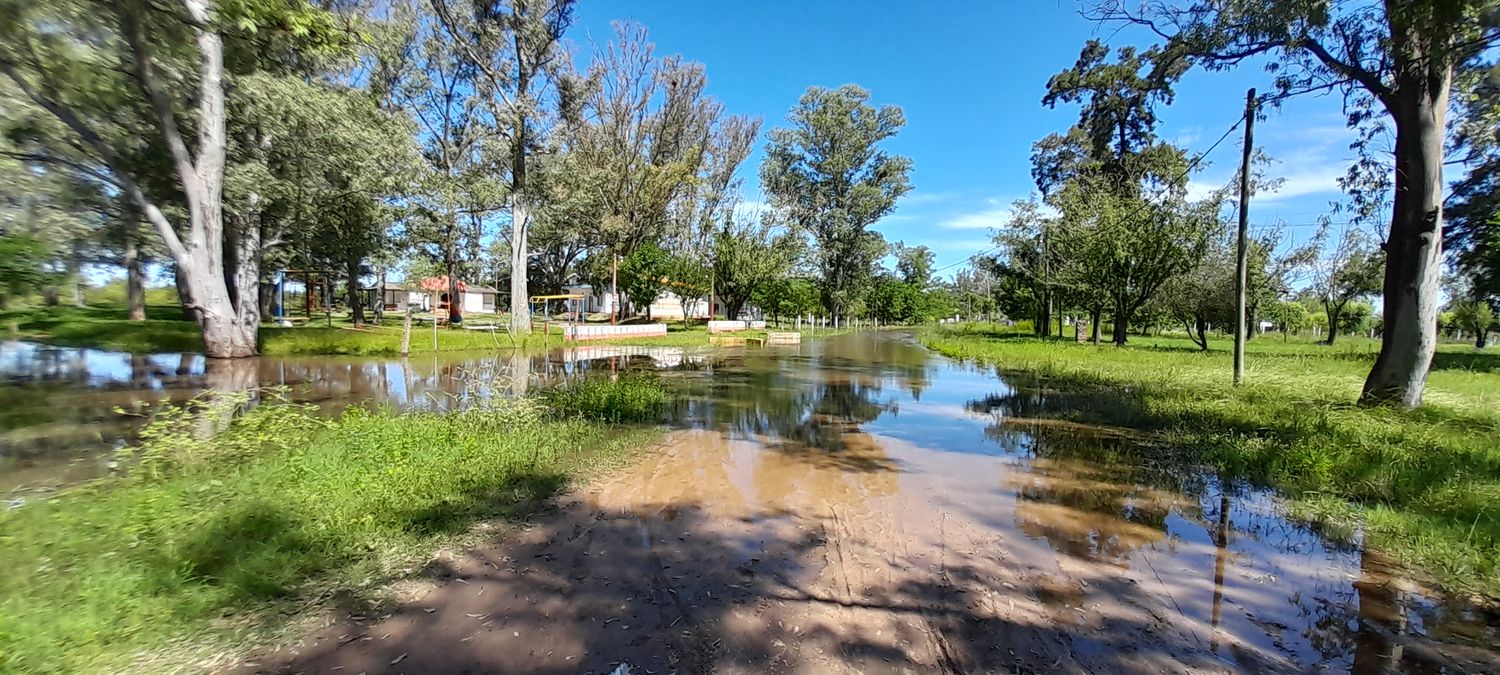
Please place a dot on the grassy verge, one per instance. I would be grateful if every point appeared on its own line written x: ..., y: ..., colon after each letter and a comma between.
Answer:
x: 103, y: 327
x: 213, y: 542
x: 1422, y: 485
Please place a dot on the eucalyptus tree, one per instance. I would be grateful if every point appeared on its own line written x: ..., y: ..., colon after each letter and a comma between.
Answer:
x: 516, y: 48
x: 1394, y: 62
x: 425, y: 66
x: 313, y: 175
x: 657, y: 150
x: 133, y: 79
x: 827, y: 175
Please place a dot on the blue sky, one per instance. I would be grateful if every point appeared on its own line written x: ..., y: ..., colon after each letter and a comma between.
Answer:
x: 970, y: 78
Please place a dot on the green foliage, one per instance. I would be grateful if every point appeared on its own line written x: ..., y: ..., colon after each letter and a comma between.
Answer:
x: 787, y: 297
x: 643, y: 274
x: 1425, y: 482
x: 634, y: 397
x: 827, y: 176
x: 745, y: 260
x: 203, y: 551
x: 22, y: 266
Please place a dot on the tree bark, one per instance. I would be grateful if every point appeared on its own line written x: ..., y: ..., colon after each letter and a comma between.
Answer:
x: 520, y: 307
x: 1413, y: 250
x: 1094, y: 324
x: 135, y: 277
x: 356, y: 307
x: 1334, y: 316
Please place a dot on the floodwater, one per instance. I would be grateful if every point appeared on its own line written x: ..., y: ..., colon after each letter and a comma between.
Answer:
x: 850, y: 505
x: 861, y: 505
x: 64, y: 412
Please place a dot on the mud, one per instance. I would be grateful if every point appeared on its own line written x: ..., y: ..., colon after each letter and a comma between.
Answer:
x: 861, y: 506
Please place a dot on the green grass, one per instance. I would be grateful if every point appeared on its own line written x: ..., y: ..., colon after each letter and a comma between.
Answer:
x: 1423, y: 484
x: 103, y: 326
x: 212, y: 543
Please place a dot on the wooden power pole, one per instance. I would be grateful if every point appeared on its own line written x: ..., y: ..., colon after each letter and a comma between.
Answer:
x: 1242, y: 248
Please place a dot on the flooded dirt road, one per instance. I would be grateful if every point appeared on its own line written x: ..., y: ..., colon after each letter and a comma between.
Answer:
x: 860, y: 505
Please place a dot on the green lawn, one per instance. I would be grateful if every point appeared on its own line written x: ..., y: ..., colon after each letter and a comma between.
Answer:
x: 1424, y: 484
x: 103, y: 326
x: 212, y: 543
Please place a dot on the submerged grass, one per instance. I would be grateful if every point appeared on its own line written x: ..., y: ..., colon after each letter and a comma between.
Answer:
x: 1422, y: 485
x: 212, y: 538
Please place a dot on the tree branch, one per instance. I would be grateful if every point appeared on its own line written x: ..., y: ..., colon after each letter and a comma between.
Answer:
x: 1365, y: 78
x: 96, y: 143
x: 161, y: 106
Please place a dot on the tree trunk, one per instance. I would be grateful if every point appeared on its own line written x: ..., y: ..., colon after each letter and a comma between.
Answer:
x: 135, y: 277
x: 1334, y: 315
x: 1122, y: 322
x: 406, y: 333
x: 356, y: 307
x: 184, y: 297
x: 1413, y: 250
x: 450, y: 268
x: 380, y: 296
x: 520, y: 308
x: 1094, y: 324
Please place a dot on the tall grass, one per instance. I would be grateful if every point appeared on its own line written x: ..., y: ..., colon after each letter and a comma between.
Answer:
x: 212, y: 536
x: 1422, y: 485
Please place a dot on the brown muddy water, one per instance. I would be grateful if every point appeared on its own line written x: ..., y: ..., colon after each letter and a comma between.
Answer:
x: 850, y: 505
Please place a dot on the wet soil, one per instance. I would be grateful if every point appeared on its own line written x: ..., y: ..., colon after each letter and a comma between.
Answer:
x: 862, y: 506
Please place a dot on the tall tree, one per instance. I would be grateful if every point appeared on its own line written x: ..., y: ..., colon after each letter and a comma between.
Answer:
x: 522, y: 84
x: 827, y: 175
x: 163, y: 65
x: 1396, y: 62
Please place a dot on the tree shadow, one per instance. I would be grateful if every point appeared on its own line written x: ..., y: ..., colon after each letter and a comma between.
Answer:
x: 677, y: 588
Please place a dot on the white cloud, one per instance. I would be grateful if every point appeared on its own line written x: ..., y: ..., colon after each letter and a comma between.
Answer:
x: 995, y: 214
x: 923, y: 198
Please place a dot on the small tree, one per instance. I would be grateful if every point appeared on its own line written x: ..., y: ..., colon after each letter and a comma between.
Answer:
x: 746, y: 258
x: 1350, y: 268
x: 643, y: 273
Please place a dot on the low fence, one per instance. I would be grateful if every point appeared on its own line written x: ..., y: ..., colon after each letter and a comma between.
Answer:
x: 731, y: 326
x: 579, y: 333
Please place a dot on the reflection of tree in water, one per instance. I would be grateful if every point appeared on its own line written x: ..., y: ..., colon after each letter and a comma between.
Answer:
x: 1362, y: 620
x: 803, y: 405
x: 1089, y: 511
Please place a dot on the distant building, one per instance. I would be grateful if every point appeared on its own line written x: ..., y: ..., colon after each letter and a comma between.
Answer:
x: 395, y: 297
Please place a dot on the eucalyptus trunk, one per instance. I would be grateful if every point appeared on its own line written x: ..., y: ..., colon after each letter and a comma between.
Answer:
x: 520, y: 309
x: 1413, y: 250
x: 135, y: 279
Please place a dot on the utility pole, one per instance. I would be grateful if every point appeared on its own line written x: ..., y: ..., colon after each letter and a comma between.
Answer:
x: 1242, y: 248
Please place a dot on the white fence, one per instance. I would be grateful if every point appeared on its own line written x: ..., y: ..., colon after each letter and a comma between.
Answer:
x: 730, y: 326
x: 577, y: 333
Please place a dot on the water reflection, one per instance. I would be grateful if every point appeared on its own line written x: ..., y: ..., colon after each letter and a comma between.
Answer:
x: 59, y: 419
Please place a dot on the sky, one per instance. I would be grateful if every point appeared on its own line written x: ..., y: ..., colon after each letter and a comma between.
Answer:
x: 970, y: 77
